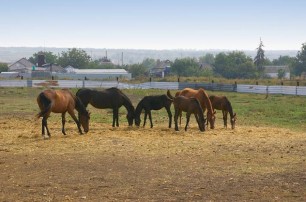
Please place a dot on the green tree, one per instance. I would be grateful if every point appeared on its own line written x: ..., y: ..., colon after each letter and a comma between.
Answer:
x: 281, y: 73
x: 284, y: 60
x: 49, y: 56
x: 137, y: 70
x: 208, y: 59
x: 234, y: 64
x: 259, y: 59
x: 186, y: 67
x: 3, y: 67
x: 299, y: 65
x: 77, y: 58
x: 149, y: 63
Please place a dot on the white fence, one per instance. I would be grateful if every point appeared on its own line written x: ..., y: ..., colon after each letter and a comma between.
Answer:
x: 261, y: 89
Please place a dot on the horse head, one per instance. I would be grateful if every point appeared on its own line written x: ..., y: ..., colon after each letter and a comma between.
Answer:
x: 233, y: 121
x: 130, y: 117
x: 84, y: 120
x: 211, y: 118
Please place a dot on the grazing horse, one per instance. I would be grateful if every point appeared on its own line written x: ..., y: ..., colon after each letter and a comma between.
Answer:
x: 109, y: 98
x: 190, y: 106
x: 222, y: 103
x: 203, y: 98
x: 149, y: 103
x: 61, y: 101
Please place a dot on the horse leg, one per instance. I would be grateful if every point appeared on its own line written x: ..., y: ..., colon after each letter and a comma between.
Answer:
x: 187, y: 120
x: 63, y: 123
x: 176, y: 115
x: 71, y: 113
x: 45, y: 124
x: 169, y: 115
x: 150, y: 117
x: 145, y: 118
x: 115, y: 117
x: 224, y: 112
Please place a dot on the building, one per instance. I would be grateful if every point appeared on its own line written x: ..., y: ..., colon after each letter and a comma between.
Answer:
x: 94, y: 74
x: 273, y: 70
x: 162, y: 68
x: 21, y: 66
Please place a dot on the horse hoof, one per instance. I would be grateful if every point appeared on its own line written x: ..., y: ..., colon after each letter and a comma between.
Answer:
x: 46, y: 137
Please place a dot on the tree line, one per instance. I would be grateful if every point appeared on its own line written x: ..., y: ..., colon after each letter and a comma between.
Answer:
x: 234, y: 64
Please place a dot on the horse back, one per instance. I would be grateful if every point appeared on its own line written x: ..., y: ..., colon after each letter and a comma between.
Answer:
x: 61, y: 100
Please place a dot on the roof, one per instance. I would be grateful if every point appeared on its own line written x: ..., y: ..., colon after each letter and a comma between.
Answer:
x: 275, y: 68
x: 24, y: 62
x: 100, y: 71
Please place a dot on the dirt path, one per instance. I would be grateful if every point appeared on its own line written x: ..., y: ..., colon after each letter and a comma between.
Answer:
x: 159, y: 164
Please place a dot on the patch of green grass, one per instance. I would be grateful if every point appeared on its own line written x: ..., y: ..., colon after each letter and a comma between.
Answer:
x: 252, y: 109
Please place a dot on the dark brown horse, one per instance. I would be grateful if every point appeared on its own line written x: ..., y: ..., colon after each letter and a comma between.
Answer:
x: 109, y: 98
x: 222, y: 103
x: 149, y: 103
x: 61, y: 101
x: 190, y: 106
x: 203, y: 98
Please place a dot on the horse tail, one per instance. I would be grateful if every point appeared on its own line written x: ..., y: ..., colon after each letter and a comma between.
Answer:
x: 45, y: 103
x: 169, y: 95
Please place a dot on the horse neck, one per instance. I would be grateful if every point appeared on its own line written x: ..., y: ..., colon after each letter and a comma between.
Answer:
x: 138, y: 109
x: 229, y: 107
x: 128, y: 104
x: 79, y: 105
x: 206, y: 101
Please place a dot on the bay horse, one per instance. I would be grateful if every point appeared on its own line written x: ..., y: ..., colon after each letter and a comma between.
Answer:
x: 190, y: 106
x: 222, y: 103
x: 149, y: 103
x: 109, y: 98
x: 203, y: 98
x: 61, y: 101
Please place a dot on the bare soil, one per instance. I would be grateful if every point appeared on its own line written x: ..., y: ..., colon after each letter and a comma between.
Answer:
x: 144, y: 164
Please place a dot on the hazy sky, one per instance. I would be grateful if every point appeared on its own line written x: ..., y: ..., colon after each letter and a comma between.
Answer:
x: 156, y: 24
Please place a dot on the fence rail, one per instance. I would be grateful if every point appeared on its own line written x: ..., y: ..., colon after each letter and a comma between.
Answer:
x: 260, y: 89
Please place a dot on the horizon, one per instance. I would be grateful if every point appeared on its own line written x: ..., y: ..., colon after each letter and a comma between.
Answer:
x: 158, y: 25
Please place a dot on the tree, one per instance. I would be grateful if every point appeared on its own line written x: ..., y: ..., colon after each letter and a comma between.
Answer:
x: 259, y: 59
x: 281, y: 73
x: 299, y: 65
x: 208, y: 59
x: 137, y: 70
x: 149, y: 63
x: 49, y: 56
x: 234, y: 64
x: 3, y: 67
x: 77, y: 58
x: 186, y: 67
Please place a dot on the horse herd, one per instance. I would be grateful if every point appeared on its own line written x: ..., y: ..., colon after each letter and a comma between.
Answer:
x: 188, y: 100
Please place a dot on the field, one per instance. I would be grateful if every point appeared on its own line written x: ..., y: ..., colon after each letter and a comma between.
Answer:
x: 263, y: 159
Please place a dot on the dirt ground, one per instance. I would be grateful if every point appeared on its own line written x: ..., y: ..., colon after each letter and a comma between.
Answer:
x: 143, y: 164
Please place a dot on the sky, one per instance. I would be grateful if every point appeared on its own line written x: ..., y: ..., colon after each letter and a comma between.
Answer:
x: 156, y: 24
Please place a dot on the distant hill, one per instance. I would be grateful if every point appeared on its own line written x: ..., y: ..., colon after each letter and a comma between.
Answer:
x: 130, y: 56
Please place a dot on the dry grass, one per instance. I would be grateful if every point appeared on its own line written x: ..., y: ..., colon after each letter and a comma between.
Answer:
x: 128, y: 163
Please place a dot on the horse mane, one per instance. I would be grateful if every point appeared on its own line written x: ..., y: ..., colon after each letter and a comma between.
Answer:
x: 127, y: 102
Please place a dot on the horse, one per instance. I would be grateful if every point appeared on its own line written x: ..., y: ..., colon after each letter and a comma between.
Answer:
x: 61, y: 101
x: 222, y: 103
x: 149, y: 103
x: 190, y: 106
x: 203, y: 98
x: 109, y: 98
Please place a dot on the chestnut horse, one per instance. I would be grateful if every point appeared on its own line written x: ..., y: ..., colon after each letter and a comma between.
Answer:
x: 109, y: 98
x: 203, y: 98
x: 222, y: 103
x: 61, y: 101
x: 190, y: 106
x: 149, y: 103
